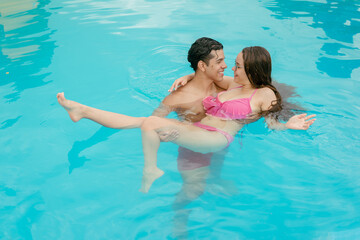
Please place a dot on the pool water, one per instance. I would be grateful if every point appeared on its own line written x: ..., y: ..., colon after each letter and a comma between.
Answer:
x: 61, y: 180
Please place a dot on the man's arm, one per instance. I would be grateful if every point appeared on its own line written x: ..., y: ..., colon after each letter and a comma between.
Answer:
x: 162, y: 110
x: 168, y: 105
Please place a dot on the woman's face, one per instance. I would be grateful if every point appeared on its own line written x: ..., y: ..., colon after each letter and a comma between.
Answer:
x: 239, y: 71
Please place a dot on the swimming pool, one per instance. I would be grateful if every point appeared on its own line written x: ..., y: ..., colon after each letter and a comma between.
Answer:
x: 60, y: 180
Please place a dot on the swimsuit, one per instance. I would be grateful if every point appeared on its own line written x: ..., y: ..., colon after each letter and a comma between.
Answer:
x: 229, y: 138
x: 229, y: 110
x: 232, y: 109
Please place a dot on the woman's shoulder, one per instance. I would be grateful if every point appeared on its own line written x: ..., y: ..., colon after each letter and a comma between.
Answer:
x: 265, y: 96
x: 266, y: 92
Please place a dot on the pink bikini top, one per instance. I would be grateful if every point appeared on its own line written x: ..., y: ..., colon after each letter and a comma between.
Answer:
x: 232, y: 109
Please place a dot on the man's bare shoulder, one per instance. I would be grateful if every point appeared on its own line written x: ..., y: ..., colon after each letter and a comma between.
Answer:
x: 179, y: 97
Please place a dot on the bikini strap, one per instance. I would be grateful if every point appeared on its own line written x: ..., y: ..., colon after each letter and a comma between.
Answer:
x: 234, y: 88
x: 253, y: 94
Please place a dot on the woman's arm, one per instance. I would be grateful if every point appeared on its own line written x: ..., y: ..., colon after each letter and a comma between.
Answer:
x: 226, y: 83
x: 182, y: 81
x: 297, y: 122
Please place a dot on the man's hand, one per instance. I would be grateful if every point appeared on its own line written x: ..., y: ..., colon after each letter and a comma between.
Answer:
x: 167, y: 135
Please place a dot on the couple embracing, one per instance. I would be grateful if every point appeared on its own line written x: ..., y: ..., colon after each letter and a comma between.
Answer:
x: 209, y: 125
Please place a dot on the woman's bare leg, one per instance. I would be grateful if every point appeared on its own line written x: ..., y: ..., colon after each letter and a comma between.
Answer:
x: 78, y: 111
x: 151, y: 144
x: 152, y: 128
x: 189, y: 137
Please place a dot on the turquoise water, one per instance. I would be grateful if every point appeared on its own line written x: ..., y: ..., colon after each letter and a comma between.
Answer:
x: 60, y: 180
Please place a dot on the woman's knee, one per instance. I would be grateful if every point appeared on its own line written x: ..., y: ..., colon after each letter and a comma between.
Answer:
x: 150, y: 123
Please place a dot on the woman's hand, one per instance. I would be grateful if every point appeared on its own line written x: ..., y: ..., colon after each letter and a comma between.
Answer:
x: 300, y: 122
x: 181, y: 82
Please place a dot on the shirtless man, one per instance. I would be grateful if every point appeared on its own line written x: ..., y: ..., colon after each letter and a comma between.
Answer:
x: 206, y: 57
x: 186, y: 101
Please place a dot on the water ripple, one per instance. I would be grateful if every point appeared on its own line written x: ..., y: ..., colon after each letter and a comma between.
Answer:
x: 26, y: 43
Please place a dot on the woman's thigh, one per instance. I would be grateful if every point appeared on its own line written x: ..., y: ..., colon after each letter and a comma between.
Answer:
x: 190, y: 136
x: 200, y: 140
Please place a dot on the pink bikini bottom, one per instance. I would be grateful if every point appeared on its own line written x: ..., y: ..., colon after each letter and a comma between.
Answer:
x: 189, y: 160
x: 209, y: 128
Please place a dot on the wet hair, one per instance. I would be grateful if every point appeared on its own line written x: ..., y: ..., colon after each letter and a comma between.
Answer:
x: 289, y: 102
x: 200, y: 51
x: 257, y: 65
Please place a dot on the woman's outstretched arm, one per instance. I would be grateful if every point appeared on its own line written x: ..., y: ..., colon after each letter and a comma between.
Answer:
x: 78, y: 111
x: 297, y: 122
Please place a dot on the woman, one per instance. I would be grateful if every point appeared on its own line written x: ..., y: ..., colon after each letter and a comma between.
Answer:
x: 249, y: 97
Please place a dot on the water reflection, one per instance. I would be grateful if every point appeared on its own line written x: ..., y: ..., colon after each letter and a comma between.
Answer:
x: 160, y: 75
x: 25, y: 48
x: 9, y: 123
x: 77, y: 161
x: 23, y: 213
x: 340, y: 21
x: 124, y: 12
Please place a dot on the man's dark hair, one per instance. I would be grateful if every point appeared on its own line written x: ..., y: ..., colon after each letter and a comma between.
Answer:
x: 200, y: 51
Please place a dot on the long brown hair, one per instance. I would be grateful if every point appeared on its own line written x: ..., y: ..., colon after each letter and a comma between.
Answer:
x: 257, y: 64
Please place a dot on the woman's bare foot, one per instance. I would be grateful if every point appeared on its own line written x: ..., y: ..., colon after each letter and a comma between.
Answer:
x: 74, y: 109
x: 149, y: 176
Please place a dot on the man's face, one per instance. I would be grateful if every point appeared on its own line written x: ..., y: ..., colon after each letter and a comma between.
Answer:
x: 215, y: 68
